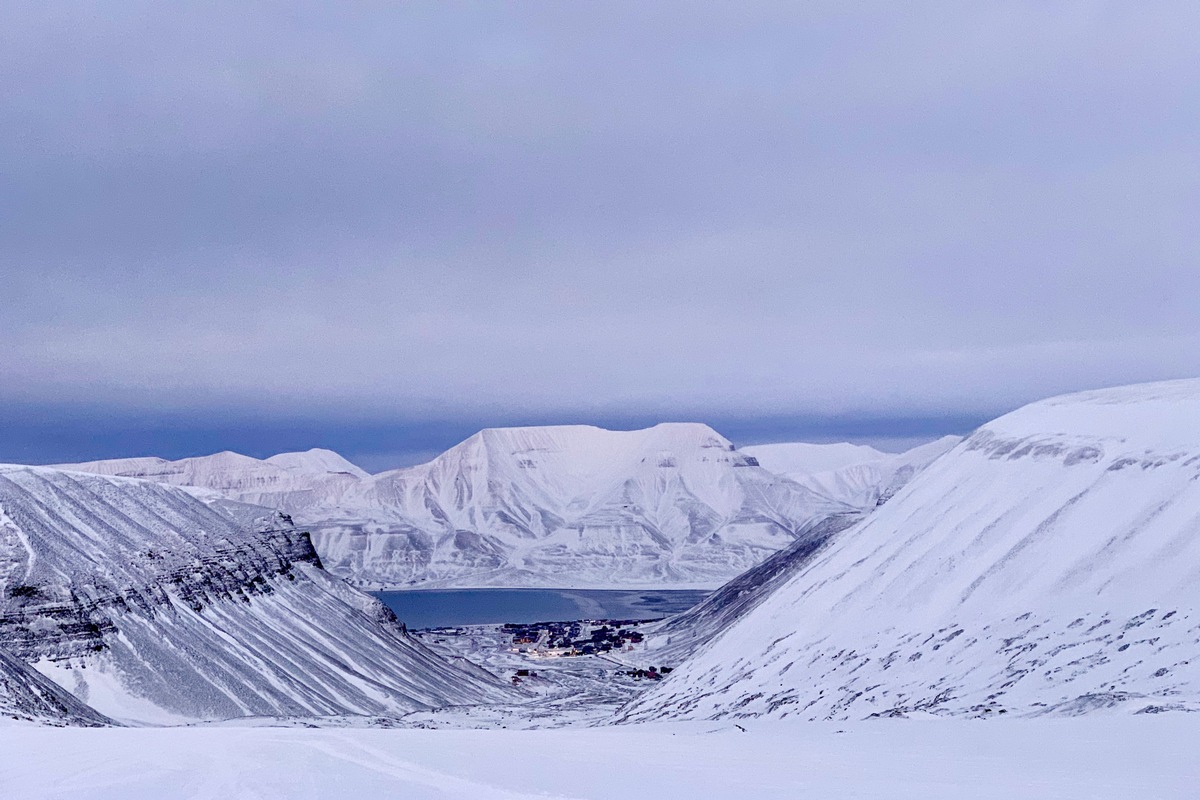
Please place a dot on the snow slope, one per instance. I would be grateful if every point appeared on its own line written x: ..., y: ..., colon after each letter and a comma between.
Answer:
x: 150, y: 605
x: 674, y: 639
x: 872, y: 483
x: 803, y: 458
x: 1049, y: 564
x: 561, y: 506
x: 27, y: 696
x: 864, y: 486
x: 859, y: 476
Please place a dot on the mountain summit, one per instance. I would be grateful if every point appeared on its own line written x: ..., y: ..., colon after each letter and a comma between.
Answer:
x: 575, y: 505
x: 569, y: 505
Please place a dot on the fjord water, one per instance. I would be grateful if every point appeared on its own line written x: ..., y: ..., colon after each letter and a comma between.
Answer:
x: 436, y: 608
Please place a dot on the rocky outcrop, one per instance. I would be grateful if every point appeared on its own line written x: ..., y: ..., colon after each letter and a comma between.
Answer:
x: 151, y: 605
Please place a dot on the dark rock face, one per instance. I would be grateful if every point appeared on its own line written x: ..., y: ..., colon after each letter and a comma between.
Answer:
x: 678, y: 637
x: 59, y: 621
x: 184, y: 611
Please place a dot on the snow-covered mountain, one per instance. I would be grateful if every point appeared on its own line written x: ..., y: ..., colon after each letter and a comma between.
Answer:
x: 1049, y: 564
x: 857, y: 475
x: 676, y: 638
x: 577, y: 506
x: 150, y: 605
x: 861, y: 485
x: 288, y: 481
x: 804, y: 458
x: 316, y: 462
x: 561, y: 506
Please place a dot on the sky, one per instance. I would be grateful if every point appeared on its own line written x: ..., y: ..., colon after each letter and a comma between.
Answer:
x: 379, y: 227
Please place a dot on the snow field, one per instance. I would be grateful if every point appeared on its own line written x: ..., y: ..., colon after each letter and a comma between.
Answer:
x: 1097, y: 758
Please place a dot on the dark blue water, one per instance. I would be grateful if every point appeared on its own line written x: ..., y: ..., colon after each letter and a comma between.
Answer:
x: 437, y: 608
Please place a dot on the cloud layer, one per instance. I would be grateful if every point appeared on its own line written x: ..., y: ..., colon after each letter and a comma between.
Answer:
x: 403, y: 210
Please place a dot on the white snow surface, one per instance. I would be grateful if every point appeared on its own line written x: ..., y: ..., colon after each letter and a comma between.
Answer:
x: 28, y: 696
x: 1097, y: 758
x: 558, y: 506
x: 803, y: 458
x: 152, y: 606
x: 841, y: 474
x: 317, y: 461
x: 1049, y: 564
x: 319, y: 473
x: 864, y: 486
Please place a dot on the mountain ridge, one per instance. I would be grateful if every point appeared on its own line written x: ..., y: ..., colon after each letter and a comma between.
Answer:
x: 1047, y: 564
x: 150, y: 605
x: 573, y: 505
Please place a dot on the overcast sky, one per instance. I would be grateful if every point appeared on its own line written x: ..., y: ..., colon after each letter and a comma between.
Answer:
x: 379, y: 227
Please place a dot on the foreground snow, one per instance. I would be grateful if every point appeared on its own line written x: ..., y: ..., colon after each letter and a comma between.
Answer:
x: 1094, y: 758
x: 26, y: 695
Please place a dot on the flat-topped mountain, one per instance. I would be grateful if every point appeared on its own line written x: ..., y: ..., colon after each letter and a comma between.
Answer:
x: 580, y: 506
x: 573, y: 505
x: 1050, y: 563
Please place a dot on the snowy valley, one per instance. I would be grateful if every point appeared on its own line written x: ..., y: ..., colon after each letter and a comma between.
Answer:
x: 599, y: 400
x: 1045, y: 566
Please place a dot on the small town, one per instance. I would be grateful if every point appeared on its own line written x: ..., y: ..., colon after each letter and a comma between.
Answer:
x: 567, y: 639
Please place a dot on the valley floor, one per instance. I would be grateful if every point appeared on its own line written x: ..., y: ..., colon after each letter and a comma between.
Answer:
x: 1092, y: 757
x: 563, y: 692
